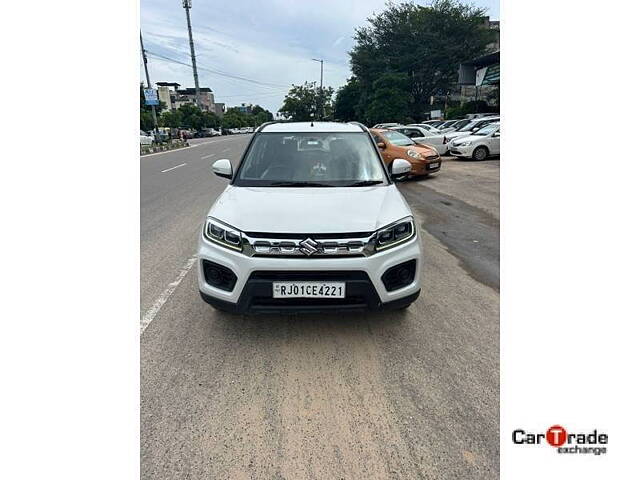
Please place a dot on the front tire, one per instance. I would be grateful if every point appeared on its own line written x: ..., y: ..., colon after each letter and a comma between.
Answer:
x: 480, y: 153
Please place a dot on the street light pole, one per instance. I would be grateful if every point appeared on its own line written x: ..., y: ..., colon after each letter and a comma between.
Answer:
x: 321, y: 91
x: 187, y: 5
x: 146, y: 71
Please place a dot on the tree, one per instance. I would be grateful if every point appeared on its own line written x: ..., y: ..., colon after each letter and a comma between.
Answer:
x: 426, y: 44
x: 210, y: 120
x: 390, y: 100
x: 304, y: 102
x: 233, y: 119
x: 346, y: 107
x: 171, y: 119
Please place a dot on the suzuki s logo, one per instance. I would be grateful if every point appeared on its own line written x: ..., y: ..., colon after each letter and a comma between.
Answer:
x: 309, y: 247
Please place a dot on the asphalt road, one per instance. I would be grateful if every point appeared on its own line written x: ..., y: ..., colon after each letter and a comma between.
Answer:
x: 404, y: 395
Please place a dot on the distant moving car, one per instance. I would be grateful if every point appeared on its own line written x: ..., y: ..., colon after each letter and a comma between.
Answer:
x: 469, y: 128
x: 424, y: 135
x: 479, y: 145
x: 145, y: 138
x: 424, y: 159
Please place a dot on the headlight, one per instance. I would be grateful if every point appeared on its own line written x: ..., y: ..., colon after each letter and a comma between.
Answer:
x: 223, y: 234
x: 395, y: 234
x: 413, y: 154
x: 463, y: 144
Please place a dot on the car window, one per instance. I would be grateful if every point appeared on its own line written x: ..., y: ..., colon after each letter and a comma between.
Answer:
x: 320, y: 159
x: 487, y: 130
x: 397, y: 138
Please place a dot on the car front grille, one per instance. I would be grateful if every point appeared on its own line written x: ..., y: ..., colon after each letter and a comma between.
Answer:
x: 321, y: 245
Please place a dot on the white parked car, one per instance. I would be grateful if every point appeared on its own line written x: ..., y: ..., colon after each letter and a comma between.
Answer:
x: 311, y: 221
x: 145, y: 138
x: 473, y: 125
x: 480, y: 145
x: 425, y: 135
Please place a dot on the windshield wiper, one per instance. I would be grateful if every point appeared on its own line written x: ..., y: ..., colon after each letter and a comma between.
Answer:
x: 365, y: 183
x: 298, y: 184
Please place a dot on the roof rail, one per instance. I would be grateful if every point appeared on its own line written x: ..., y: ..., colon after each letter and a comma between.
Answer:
x: 266, y: 124
x: 364, y: 128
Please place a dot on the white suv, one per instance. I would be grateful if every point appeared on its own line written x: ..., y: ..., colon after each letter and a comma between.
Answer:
x: 311, y: 221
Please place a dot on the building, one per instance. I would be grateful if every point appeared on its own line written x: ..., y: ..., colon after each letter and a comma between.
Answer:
x: 244, y: 108
x: 167, y: 92
x: 219, y: 109
x: 174, y: 97
x: 479, y: 78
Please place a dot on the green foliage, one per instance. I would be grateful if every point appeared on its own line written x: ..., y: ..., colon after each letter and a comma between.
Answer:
x: 234, y: 118
x: 171, y: 119
x: 426, y: 44
x: 390, y: 99
x: 347, y: 100
x: 146, y: 121
x: 304, y: 102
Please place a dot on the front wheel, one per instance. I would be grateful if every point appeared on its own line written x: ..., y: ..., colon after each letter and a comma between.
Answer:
x: 480, y: 153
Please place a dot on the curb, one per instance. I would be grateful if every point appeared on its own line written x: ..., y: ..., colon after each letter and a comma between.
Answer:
x: 174, y: 145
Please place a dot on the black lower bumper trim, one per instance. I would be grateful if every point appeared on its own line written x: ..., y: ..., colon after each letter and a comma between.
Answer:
x: 247, y: 307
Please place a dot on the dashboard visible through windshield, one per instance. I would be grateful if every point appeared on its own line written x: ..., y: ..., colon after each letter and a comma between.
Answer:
x: 321, y: 159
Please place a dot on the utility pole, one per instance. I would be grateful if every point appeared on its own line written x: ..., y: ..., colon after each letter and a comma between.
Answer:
x: 321, y: 91
x: 187, y: 5
x: 146, y: 71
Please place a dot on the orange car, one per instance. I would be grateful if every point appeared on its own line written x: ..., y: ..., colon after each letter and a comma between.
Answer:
x: 424, y: 159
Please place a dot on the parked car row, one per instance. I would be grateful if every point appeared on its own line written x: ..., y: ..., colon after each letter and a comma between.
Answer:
x: 477, y: 137
x: 235, y: 131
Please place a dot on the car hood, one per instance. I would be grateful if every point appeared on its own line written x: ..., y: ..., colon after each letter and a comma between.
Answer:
x: 467, y: 138
x: 309, y: 210
x: 456, y: 134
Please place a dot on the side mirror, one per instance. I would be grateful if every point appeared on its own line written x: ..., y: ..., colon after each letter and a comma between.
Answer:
x: 400, y: 167
x: 381, y: 145
x: 222, y: 168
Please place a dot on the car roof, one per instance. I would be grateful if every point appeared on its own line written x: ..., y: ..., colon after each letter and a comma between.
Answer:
x: 311, y: 127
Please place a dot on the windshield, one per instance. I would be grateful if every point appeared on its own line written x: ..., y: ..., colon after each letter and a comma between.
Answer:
x: 398, y: 139
x: 311, y: 160
x: 488, y: 130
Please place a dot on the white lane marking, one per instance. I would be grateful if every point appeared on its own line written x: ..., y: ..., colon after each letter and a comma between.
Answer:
x: 164, y: 296
x: 173, y: 168
x: 207, y: 156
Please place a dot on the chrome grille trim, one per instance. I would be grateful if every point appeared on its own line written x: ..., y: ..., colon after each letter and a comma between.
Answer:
x: 295, y: 247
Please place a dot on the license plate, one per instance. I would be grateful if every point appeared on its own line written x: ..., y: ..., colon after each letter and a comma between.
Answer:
x: 308, y: 289
x: 434, y: 165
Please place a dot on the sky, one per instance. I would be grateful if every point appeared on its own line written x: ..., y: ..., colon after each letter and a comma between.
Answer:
x: 270, y: 42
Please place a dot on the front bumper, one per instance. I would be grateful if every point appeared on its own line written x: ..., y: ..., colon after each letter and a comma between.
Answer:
x: 458, y: 151
x: 365, y: 290
x: 420, y: 168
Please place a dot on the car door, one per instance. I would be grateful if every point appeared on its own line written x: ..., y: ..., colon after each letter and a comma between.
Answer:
x: 426, y: 137
x: 494, y: 143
